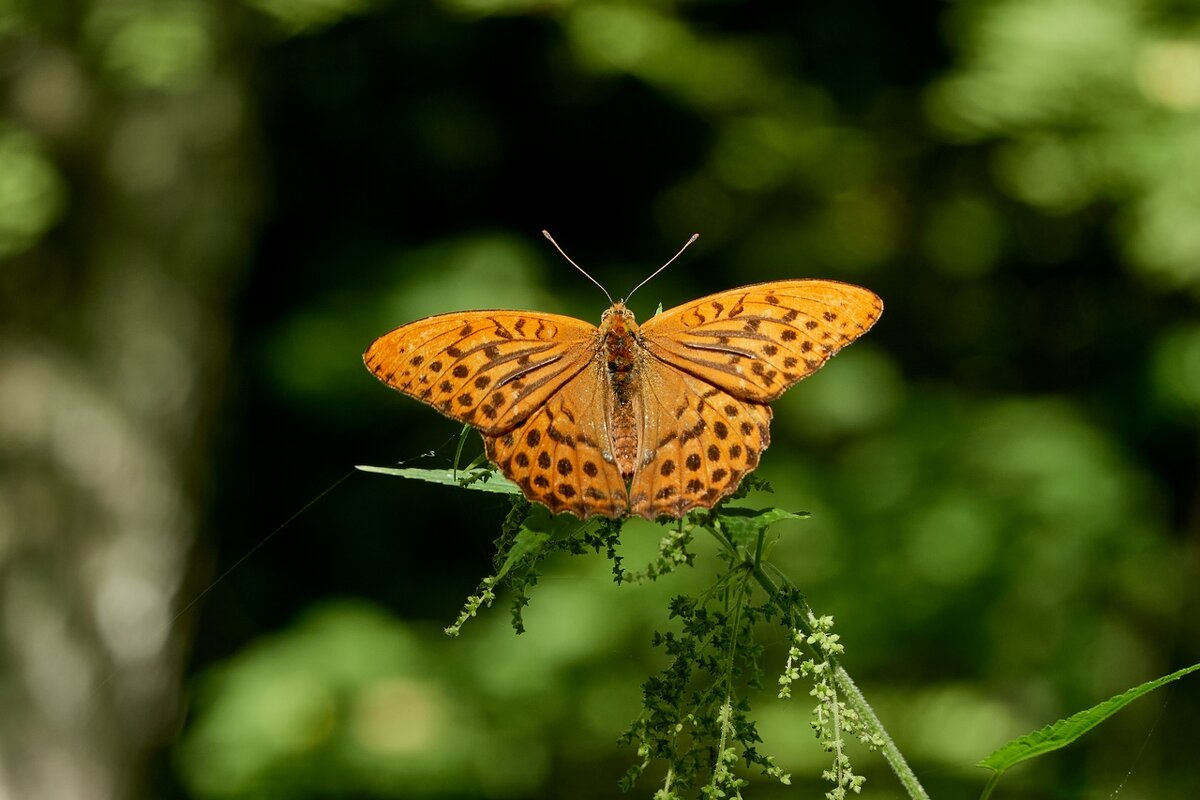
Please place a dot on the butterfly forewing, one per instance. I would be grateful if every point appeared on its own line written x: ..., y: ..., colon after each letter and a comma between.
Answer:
x: 756, y: 341
x: 489, y: 368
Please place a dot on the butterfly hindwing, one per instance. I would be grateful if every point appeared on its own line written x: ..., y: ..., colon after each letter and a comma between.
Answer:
x: 757, y: 341
x: 698, y: 442
x: 561, y: 455
x: 488, y: 368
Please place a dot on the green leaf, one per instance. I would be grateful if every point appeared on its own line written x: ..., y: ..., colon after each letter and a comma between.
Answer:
x: 495, y: 483
x: 526, y: 544
x: 556, y: 526
x: 1065, y: 731
x: 742, y: 525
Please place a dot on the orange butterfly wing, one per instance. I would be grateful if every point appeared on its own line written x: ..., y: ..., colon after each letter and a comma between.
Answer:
x: 757, y: 341
x: 561, y: 455
x: 491, y: 369
x: 698, y: 441
x: 709, y: 366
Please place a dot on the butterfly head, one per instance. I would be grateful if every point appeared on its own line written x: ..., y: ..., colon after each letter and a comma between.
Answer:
x: 618, y: 319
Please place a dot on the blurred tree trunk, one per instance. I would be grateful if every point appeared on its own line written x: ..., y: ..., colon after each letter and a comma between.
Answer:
x: 127, y: 191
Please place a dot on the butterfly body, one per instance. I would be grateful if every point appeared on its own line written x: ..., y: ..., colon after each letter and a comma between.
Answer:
x: 620, y: 419
x: 618, y: 332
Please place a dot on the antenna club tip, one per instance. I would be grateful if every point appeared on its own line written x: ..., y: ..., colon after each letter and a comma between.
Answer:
x: 695, y: 236
x: 546, y: 233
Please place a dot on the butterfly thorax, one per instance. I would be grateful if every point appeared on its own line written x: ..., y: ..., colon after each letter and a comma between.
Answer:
x: 618, y: 330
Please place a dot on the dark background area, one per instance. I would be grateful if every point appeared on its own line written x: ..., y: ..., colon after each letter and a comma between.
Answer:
x: 208, y: 210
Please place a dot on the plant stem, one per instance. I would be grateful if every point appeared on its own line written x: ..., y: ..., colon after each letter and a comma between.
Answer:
x: 991, y: 784
x: 775, y: 586
x: 856, y: 700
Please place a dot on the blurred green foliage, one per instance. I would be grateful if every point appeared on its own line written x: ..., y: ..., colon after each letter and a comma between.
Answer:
x: 31, y: 192
x: 153, y: 44
x: 1093, y: 101
x: 1002, y: 476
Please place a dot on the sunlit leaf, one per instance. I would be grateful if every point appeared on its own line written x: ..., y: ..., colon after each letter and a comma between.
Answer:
x: 463, y: 479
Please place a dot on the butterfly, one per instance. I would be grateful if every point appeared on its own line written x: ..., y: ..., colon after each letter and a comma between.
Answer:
x: 621, y: 419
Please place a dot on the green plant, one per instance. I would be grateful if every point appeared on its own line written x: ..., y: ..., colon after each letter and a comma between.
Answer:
x: 696, y: 716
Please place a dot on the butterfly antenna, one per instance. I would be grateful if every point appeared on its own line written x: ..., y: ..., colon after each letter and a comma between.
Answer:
x: 576, y: 266
x: 686, y: 245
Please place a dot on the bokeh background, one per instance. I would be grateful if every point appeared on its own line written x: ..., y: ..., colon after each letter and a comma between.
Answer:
x: 209, y: 207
